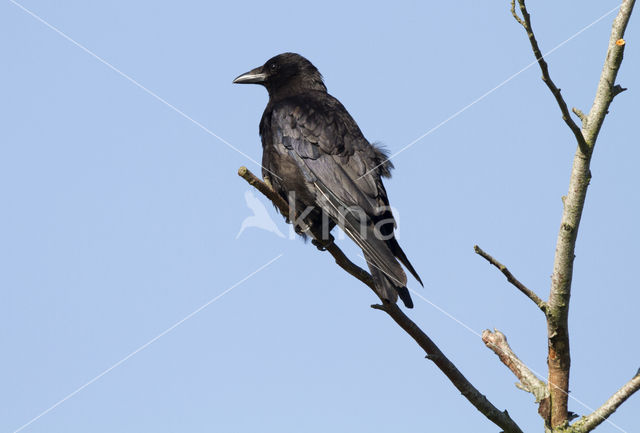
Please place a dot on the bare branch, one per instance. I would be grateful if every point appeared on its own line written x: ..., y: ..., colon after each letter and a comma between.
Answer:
x: 525, y: 21
x: 497, y: 342
x: 515, y: 14
x: 607, y: 87
x: 513, y: 280
x: 265, y: 189
x: 559, y: 358
x: 500, y: 418
x: 591, y: 421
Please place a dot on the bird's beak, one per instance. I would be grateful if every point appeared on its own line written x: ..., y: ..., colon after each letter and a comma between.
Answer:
x: 254, y: 76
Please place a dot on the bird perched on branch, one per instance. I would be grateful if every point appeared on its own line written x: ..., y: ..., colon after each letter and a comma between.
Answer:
x: 316, y: 157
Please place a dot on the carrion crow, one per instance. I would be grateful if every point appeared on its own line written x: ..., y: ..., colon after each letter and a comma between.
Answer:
x: 316, y: 157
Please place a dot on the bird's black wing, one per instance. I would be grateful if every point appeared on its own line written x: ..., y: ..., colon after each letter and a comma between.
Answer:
x: 341, y: 169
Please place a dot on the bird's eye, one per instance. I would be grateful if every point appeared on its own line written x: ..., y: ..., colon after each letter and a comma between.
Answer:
x: 273, y: 66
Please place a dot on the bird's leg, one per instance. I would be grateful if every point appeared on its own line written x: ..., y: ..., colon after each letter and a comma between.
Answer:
x: 302, y: 228
x: 321, y: 232
x: 267, y: 180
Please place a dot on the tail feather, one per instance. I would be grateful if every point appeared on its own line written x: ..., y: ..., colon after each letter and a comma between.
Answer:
x: 378, y: 254
x: 389, y: 277
x: 386, y: 288
x: 397, y: 251
x: 403, y: 292
x: 371, y: 244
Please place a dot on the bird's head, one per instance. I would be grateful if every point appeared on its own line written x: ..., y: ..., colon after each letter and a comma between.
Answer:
x: 285, y: 73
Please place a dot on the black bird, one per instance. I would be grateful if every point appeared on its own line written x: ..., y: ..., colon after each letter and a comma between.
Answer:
x: 316, y: 157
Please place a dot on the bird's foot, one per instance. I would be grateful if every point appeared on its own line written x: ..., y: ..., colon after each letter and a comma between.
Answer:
x: 322, y: 244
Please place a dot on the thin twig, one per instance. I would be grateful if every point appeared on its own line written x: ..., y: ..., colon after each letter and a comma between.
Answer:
x: 591, y: 421
x: 497, y: 342
x: 477, y: 399
x: 513, y: 280
x: 581, y: 115
x: 617, y: 89
x: 525, y: 21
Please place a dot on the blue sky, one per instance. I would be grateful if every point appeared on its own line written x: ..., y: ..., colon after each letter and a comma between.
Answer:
x: 120, y: 217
